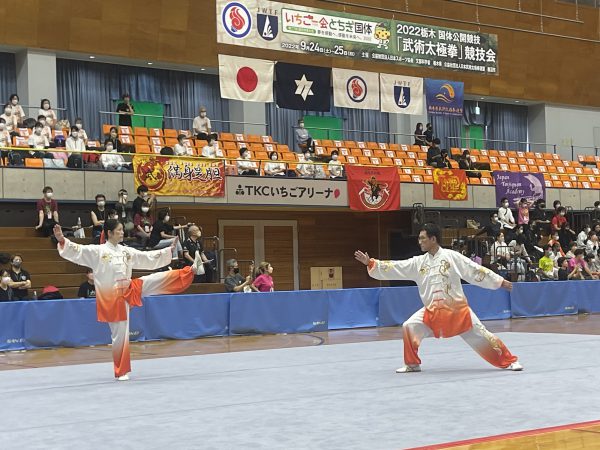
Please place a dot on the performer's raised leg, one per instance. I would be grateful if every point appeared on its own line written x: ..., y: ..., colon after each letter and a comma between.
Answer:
x: 414, y: 331
x: 490, y: 347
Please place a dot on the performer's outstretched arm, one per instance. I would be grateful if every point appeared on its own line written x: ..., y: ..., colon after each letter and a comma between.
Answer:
x: 388, y: 270
x: 84, y: 255
x: 478, y: 275
x: 154, y: 259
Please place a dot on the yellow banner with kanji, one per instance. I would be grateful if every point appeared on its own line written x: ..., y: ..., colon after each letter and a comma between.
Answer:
x: 181, y: 176
x: 450, y: 184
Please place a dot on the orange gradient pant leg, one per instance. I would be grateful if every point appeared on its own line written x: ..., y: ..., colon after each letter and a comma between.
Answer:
x: 119, y: 332
x: 413, y: 332
x: 489, y: 347
x: 169, y: 282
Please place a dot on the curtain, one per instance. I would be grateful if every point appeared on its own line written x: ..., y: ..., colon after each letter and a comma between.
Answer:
x: 508, y: 123
x: 445, y: 128
x: 86, y: 88
x: 8, y: 77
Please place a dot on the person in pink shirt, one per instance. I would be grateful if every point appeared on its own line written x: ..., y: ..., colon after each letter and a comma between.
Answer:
x: 264, y: 282
x: 523, y: 213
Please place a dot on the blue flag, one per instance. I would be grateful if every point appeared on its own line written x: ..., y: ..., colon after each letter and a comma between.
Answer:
x: 444, y: 97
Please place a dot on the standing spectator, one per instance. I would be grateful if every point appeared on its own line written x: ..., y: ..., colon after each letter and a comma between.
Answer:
x: 37, y: 139
x: 47, y: 209
x: 98, y: 216
x: 492, y: 229
x: 20, y: 279
x: 264, y: 281
x: 429, y: 135
x: 546, y: 264
x: 143, y: 224
x: 125, y: 110
x: 82, y: 134
x: 163, y: 234
x: 307, y: 168
x: 559, y: 218
x: 124, y: 212
x: 591, y: 246
x: 335, y: 167
x: 583, y: 236
x: 10, y: 120
x: 565, y: 272
x: 556, y: 205
x: 192, y: 245
x: 202, y: 127
x: 87, y: 289
x: 434, y: 153
x: 46, y: 129
x: 274, y: 168
x: 180, y: 149
x: 523, y: 213
x: 210, y: 149
x: 110, y: 159
x: 419, y: 136
x: 246, y: 167
x: 304, y: 141
x: 143, y: 197
x: 505, y: 216
x: 6, y: 292
x: 17, y: 110
x: 47, y: 111
x: 234, y: 282
x: 113, y: 136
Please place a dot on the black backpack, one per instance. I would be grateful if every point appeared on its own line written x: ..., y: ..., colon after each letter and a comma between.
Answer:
x: 15, y: 158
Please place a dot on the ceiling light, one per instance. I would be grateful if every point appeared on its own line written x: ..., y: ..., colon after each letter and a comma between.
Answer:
x: 482, y: 98
x: 149, y: 63
x: 92, y: 57
x: 517, y: 101
x: 202, y: 68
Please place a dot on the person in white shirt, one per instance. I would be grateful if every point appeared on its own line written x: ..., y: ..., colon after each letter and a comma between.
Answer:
x: 46, y: 130
x: 202, y: 127
x: 583, y: 236
x: 17, y: 110
x: 37, y: 139
x: 274, y: 168
x: 10, y: 120
x: 82, y: 134
x: 591, y: 246
x: 5, y: 139
x: 180, y: 148
x: 505, y: 215
x: 244, y: 165
x: 501, y: 253
x: 335, y: 167
x: 74, y: 141
x: 110, y: 159
x: 307, y: 168
x: 210, y: 149
x: 47, y: 111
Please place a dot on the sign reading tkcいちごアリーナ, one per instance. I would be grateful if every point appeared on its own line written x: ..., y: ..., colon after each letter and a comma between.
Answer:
x: 301, y: 29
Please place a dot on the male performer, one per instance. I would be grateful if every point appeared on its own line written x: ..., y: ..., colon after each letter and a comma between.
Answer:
x: 446, y: 313
x: 116, y: 292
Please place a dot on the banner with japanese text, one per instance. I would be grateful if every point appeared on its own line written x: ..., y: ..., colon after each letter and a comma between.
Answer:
x: 301, y: 29
x: 180, y: 176
x: 517, y: 185
x: 445, y: 97
x: 373, y: 188
x: 450, y: 184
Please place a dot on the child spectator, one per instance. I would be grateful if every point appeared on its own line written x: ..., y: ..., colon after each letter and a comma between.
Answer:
x: 336, y: 170
x: 546, y: 264
x: 47, y: 209
x: 523, y: 213
x: 565, y: 272
x: 87, y: 289
x: 143, y: 224
x: 559, y: 218
x: 37, y: 139
x: 6, y: 292
x: 180, y: 148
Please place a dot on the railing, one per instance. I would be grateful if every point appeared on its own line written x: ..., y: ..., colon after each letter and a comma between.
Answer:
x: 389, y: 134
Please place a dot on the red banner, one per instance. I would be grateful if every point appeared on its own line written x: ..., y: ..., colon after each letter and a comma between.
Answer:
x: 373, y: 188
x: 450, y: 184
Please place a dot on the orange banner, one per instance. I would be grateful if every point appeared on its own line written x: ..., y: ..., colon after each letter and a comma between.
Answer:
x: 180, y: 176
x: 450, y: 184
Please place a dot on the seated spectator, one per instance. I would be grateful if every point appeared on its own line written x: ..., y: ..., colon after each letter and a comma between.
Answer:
x: 434, y: 153
x: 202, y: 127
x: 546, y: 264
x: 429, y: 135
x: 167, y: 151
x: 47, y: 209
x: 17, y: 110
x: 124, y: 211
x: 579, y: 262
x: 113, y: 136
x: 210, y: 149
x: 582, y: 237
x: 5, y: 137
x: 143, y: 224
x: 180, y: 148
x: 274, y: 168
x: 20, y: 279
x: 192, y: 245
x: 505, y: 216
x: 37, y: 139
x: 492, y: 229
x: 234, y: 282
x: 163, y: 234
x: 304, y: 141
x: 82, y: 134
x: 87, y: 289
x: 592, y: 266
x: 110, y: 159
x: 307, y: 168
x: 559, y: 219
x: 48, y: 113
x: 523, y: 213
x: 143, y: 196
x: 566, y: 235
x: 10, y: 120
x: 567, y: 273
x: 335, y: 167
x: 6, y: 292
x: 501, y: 253
x: 554, y: 241
x: 98, y: 216
x: 466, y: 163
x: 444, y: 162
x: 538, y: 218
x: 591, y: 245
x: 75, y: 144
x: 46, y: 130
x: 246, y: 167
x: 557, y: 252
x: 571, y: 253
x: 419, y: 135
x: 264, y: 281
x: 521, y: 257
x: 125, y: 110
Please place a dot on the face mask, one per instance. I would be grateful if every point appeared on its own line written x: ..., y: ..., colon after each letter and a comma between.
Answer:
x: 5, y: 280
x: 78, y: 125
x: 274, y: 158
x: 8, y: 111
x: 202, y: 114
x: 75, y: 134
x: 543, y: 205
x: 101, y: 203
x: 167, y: 218
x: 236, y: 270
x: 17, y: 264
x: 15, y: 102
x: 38, y: 131
x: 301, y: 125
x: 49, y: 194
x: 334, y: 157
x: 109, y: 148
x: 145, y: 209
x: 562, y: 213
x: 505, y: 204
x: 46, y: 106
x: 124, y: 196
x: 246, y: 156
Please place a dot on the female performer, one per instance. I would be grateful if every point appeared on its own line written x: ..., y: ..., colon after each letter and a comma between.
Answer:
x: 116, y: 292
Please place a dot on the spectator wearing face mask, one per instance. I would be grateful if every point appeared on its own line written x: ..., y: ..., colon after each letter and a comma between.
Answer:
x: 419, y: 136
x: 591, y: 245
x: 556, y: 204
x: 10, y: 120
x: 539, y: 219
x: 47, y: 209
x: 20, y: 279
x: 47, y: 111
x: 202, y: 127
x: 17, y: 110
x: 75, y: 144
x: 46, y: 130
x: 235, y: 282
x: 98, y: 216
x: 163, y: 234
x: 492, y: 229
x: 110, y: 159
x: 583, y: 236
x: 592, y: 266
x: 143, y: 196
x: 6, y: 292
x: 505, y: 215
x: 246, y: 167
x: 124, y: 210
x: 429, y: 134
x: 466, y: 163
x: 143, y: 224
x: 87, y: 289
x: 82, y: 134
x: 5, y: 138
x: 180, y: 149
x: 559, y: 219
x: 546, y: 264
x: 501, y: 253
x: 307, y: 168
x: 37, y: 139
x: 555, y: 241
x: 113, y: 136
x: 304, y: 141
x: 210, y: 149
x: 274, y: 168
x: 566, y: 273
x: 336, y: 170
x: 523, y: 213
x: 193, y: 245
x: 125, y: 110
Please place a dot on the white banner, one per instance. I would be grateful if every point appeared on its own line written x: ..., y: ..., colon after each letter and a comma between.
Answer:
x: 400, y: 94
x: 245, y: 79
x: 286, y: 191
x: 355, y: 89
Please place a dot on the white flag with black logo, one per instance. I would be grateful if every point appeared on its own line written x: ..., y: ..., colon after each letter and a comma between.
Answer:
x: 355, y: 89
x: 400, y: 94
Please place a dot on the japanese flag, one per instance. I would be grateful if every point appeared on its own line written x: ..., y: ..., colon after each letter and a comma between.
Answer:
x: 249, y: 80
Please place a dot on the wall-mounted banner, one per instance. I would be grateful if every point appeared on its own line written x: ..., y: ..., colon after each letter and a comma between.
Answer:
x: 515, y: 186
x: 450, y: 184
x: 245, y: 79
x: 300, y: 29
x: 286, y: 191
x: 444, y: 97
x: 304, y: 88
x: 373, y: 188
x: 179, y: 176
x: 400, y: 94
x: 355, y: 89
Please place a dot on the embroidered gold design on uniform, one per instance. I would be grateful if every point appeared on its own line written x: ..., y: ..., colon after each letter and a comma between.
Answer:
x: 480, y: 274
x: 106, y: 257
x: 386, y: 266
x: 493, y: 340
x: 425, y: 269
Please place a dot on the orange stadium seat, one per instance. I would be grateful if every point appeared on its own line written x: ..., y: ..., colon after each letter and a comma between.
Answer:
x: 158, y: 132
x: 140, y: 131
x: 34, y: 162
x: 141, y: 148
x: 168, y: 132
